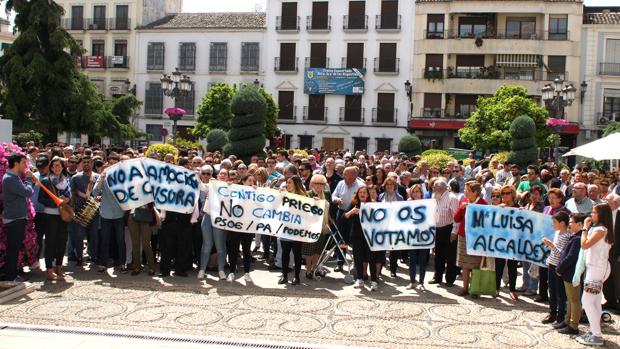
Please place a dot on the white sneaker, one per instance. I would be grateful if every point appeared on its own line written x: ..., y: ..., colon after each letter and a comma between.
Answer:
x: 359, y: 283
x: 247, y: 278
x: 201, y: 275
x: 222, y: 275
x: 36, y: 266
x: 231, y: 277
x: 374, y: 286
x: 411, y: 286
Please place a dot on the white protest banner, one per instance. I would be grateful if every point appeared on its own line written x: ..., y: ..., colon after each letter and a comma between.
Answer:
x: 141, y: 181
x: 265, y: 211
x: 129, y: 184
x: 507, y: 232
x: 402, y: 225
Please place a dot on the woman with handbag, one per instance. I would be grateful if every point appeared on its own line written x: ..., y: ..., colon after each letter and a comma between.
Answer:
x: 596, y: 245
x: 56, y: 234
x: 140, y: 222
x: 465, y: 261
x: 312, y: 250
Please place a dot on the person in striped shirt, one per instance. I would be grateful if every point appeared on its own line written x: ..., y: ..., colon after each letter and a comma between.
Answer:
x: 445, y: 241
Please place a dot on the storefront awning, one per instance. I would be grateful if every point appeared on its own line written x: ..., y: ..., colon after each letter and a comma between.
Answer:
x: 516, y: 61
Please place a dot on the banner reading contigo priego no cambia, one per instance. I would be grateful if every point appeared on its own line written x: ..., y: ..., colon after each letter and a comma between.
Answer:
x: 510, y: 233
x: 403, y: 225
x: 265, y: 211
x: 141, y: 181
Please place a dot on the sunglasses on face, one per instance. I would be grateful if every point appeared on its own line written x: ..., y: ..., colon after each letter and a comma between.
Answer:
x: 496, y: 196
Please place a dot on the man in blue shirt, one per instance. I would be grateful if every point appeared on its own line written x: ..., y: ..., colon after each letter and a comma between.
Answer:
x: 15, y: 195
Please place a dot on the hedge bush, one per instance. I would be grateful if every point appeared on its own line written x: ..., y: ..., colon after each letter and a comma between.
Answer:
x: 216, y: 139
x: 247, y: 134
x: 438, y: 159
x: 501, y: 157
x: 410, y: 145
x: 162, y: 150
x: 434, y: 151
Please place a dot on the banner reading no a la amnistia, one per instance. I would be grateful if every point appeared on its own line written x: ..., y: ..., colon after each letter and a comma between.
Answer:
x: 266, y: 211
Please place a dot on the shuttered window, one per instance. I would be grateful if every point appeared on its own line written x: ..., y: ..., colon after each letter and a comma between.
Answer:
x: 187, y: 56
x: 218, y: 56
x: 186, y: 102
x: 155, y: 56
x: 153, y: 99
x: 249, y: 56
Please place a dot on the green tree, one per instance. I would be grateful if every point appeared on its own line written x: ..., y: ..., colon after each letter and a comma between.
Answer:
x: 41, y: 80
x: 214, y: 110
x: 410, y: 144
x: 488, y: 128
x: 271, y: 117
x: 247, y: 133
x: 524, y: 151
x: 612, y: 127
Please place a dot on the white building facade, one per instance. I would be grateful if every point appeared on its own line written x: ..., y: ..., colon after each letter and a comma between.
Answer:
x: 207, y: 47
x: 375, y: 35
x: 601, y: 66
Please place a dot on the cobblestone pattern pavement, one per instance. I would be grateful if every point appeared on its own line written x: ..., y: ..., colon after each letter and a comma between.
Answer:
x: 325, y: 312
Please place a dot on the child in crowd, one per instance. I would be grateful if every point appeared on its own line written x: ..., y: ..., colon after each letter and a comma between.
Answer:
x: 557, y: 295
x: 566, y: 269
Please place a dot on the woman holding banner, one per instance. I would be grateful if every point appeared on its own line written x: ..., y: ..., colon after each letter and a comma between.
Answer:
x: 294, y: 185
x: 212, y: 235
x: 535, y: 203
x: 235, y: 239
x: 417, y: 256
x: 312, y: 250
x: 596, y: 245
x: 465, y: 261
x: 390, y: 194
x: 509, y: 197
x: 362, y: 256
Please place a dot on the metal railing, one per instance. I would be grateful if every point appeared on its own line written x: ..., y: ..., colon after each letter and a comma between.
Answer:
x: 536, y: 35
x: 249, y: 67
x: 286, y: 117
x: 387, y: 22
x: 354, y: 22
x: 314, y: 115
x: 343, y: 63
x: 493, y: 73
x: 308, y: 62
x: 279, y: 67
x: 320, y: 23
x: 98, y: 23
x: 434, y: 113
x: 73, y: 23
x: 352, y: 116
x: 384, y: 65
x: 287, y: 23
x: 606, y: 68
x: 381, y: 119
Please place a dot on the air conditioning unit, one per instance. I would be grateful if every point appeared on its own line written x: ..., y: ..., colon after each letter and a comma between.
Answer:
x: 603, y: 120
x: 615, y: 116
x: 92, y: 26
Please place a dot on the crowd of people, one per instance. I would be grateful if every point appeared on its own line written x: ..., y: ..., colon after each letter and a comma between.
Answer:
x: 582, y: 201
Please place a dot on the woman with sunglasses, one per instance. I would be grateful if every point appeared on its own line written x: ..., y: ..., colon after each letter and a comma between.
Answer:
x: 56, y: 232
x: 294, y: 185
x: 534, y: 203
x: 465, y: 261
x: 509, y: 197
x: 596, y: 242
x: 312, y: 250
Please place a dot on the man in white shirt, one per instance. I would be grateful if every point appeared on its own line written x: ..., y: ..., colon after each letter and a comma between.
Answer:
x: 445, y: 248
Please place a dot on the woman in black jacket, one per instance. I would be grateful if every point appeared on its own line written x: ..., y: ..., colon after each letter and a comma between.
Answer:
x: 56, y: 232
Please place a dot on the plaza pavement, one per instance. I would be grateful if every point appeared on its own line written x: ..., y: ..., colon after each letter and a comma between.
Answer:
x: 327, y: 313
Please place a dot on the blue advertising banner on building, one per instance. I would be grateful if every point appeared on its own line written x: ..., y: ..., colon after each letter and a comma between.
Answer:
x: 338, y: 81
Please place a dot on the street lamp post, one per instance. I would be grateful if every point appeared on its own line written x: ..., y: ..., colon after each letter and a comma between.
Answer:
x: 559, y: 95
x: 175, y: 85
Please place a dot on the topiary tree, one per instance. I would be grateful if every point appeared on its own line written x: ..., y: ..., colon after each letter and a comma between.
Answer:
x: 247, y: 133
x: 162, y: 150
x: 524, y: 151
x: 216, y: 139
x: 410, y: 145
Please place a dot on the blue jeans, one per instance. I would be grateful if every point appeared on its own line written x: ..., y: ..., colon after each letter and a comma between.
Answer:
x: 210, y: 236
x: 530, y: 282
x: 109, y: 227
x: 77, y: 239
x: 418, y: 257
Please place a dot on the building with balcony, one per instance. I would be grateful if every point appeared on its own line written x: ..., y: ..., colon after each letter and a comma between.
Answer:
x: 209, y: 48
x: 370, y: 36
x: 464, y: 49
x: 601, y: 68
x: 106, y: 30
x: 6, y: 35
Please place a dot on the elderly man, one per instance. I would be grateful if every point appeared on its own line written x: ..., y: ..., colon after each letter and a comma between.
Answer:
x: 565, y: 185
x: 594, y: 193
x: 445, y: 236
x: 611, y: 287
x: 342, y: 196
x: 504, y: 174
x: 580, y: 202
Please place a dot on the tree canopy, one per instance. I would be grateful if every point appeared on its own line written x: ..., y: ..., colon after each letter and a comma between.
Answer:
x: 613, y: 127
x: 214, y: 110
x: 488, y: 128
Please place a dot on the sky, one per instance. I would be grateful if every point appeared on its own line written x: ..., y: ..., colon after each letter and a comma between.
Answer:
x: 251, y: 5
